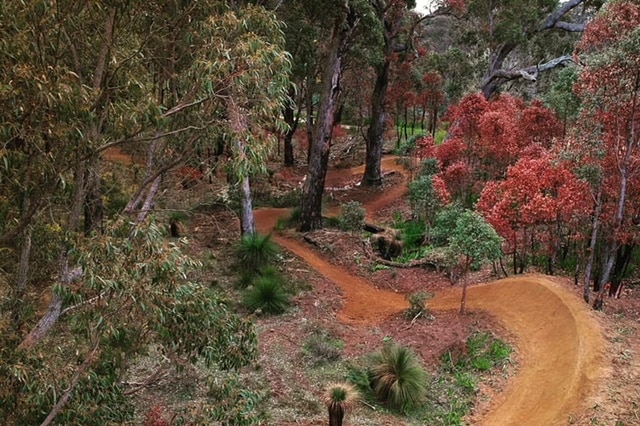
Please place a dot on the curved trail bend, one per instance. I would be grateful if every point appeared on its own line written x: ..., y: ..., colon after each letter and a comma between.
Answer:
x: 559, y: 343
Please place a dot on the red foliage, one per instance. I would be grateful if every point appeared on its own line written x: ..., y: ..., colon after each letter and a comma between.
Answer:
x: 539, y: 125
x: 610, y: 88
x: 490, y: 136
x: 617, y: 21
x: 441, y: 189
x: 425, y: 148
x: 458, y: 7
x: 449, y: 152
x: 538, y: 192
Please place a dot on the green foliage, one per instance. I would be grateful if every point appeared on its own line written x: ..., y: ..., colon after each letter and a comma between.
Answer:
x: 254, y: 252
x: 561, y: 98
x: 452, y: 392
x: 267, y: 296
x: 483, y: 352
x: 412, y: 234
x: 340, y: 397
x: 408, y: 146
x: 352, y: 216
x: 444, y: 224
x: 233, y: 405
x: 397, y: 378
x: 362, y: 379
x: 423, y: 197
x: 475, y: 239
x: 136, y: 292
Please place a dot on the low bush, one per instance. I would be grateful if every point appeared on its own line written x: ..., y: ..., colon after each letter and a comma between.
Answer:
x: 417, y: 305
x: 267, y: 295
x: 352, y: 217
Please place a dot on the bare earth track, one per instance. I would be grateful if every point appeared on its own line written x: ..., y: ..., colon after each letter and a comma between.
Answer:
x: 559, y: 342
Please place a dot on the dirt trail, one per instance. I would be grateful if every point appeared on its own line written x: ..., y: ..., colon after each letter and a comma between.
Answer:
x: 559, y: 343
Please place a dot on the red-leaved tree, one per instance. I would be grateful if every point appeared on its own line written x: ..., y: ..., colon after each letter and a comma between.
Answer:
x: 609, y: 86
x: 538, y: 208
x: 487, y: 137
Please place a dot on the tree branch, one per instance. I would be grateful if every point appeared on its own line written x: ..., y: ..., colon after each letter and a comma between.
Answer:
x: 553, y: 20
x: 74, y: 381
x: 528, y: 73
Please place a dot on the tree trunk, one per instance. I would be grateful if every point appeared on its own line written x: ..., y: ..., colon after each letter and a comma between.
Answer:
x: 310, y: 110
x: 595, y: 228
x: 336, y: 414
x: 291, y: 118
x: 375, y: 133
x: 52, y: 314
x: 623, y: 257
x: 311, y: 209
x: 465, y: 283
x: 247, y: 222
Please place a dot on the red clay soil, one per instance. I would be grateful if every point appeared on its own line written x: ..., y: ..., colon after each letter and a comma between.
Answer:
x: 558, y: 340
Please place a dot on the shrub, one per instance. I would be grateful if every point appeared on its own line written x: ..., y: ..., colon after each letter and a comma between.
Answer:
x: 408, y: 146
x: 412, y: 235
x: 322, y: 348
x: 267, y: 295
x: 255, y: 251
x: 417, y: 304
x: 352, y: 216
x: 398, y: 380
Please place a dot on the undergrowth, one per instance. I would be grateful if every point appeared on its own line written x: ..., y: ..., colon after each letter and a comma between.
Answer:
x: 451, y: 391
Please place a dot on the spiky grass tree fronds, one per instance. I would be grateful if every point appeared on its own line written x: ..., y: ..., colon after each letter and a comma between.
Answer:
x: 267, y: 295
x: 255, y: 251
x: 399, y: 380
x: 340, y: 397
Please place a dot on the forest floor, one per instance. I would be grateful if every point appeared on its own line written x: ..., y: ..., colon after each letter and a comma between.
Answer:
x: 570, y: 365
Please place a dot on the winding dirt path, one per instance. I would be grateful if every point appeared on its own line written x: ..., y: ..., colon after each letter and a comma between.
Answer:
x: 559, y: 342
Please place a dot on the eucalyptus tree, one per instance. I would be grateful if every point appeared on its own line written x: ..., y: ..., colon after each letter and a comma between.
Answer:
x: 524, y: 38
x: 346, y: 21
x: 80, y: 78
x: 608, y: 138
x: 303, y: 29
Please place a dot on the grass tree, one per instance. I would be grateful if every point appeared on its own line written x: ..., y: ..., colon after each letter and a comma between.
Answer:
x: 340, y: 397
x: 267, y: 295
x: 254, y: 252
x: 398, y: 379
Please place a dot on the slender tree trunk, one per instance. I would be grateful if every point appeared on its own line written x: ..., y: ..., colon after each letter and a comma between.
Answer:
x: 623, y: 257
x: 291, y: 118
x: 247, y: 222
x: 240, y: 127
x: 311, y: 209
x: 595, y: 228
x: 66, y: 275
x: 465, y: 283
x: 23, y: 276
x: 614, y: 244
x: 310, y: 110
